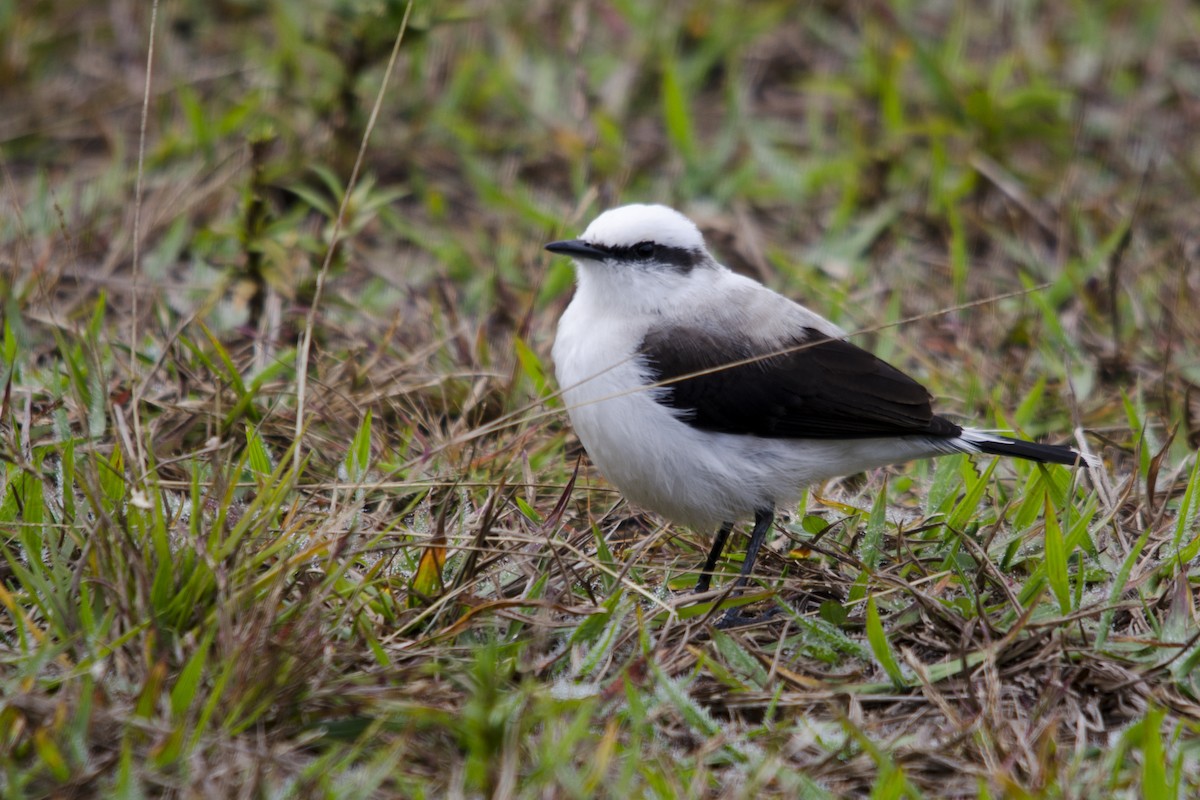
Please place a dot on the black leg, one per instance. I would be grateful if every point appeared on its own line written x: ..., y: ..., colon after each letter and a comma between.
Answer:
x: 762, y: 524
x: 711, y: 562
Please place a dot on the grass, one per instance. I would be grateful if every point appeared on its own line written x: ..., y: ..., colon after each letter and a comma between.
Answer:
x: 428, y: 592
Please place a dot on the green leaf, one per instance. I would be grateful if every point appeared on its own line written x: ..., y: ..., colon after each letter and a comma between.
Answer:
x: 1154, y: 767
x: 968, y: 506
x: 858, y: 589
x: 112, y: 479
x: 737, y: 657
x: 694, y: 715
x: 941, y: 489
x: 1145, y: 436
x: 152, y: 687
x: 1056, y: 561
x: 676, y: 114
x: 609, y: 625
x: 50, y: 755
x: 187, y: 685
x: 1026, y: 411
x: 872, y: 547
x: 230, y: 371
x: 1033, y: 501
x: 890, y: 784
x: 257, y: 456
x: 8, y: 352
x: 358, y: 459
x: 531, y: 365
x: 1185, y: 522
x: 814, y: 524
x: 428, y: 582
x: 881, y: 647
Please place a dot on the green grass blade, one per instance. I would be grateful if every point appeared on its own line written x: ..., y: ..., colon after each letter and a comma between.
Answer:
x: 881, y: 647
x: 872, y: 546
x: 676, y: 111
x: 359, y: 457
x: 1056, y: 560
x: 1186, y: 540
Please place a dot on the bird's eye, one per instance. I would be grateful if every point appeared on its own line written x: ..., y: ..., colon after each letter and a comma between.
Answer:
x: 644, y: 250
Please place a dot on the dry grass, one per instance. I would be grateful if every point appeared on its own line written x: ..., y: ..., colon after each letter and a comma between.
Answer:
x: 443, y: 598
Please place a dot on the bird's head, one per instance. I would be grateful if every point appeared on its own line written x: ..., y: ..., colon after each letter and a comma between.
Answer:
x: 640, y: 255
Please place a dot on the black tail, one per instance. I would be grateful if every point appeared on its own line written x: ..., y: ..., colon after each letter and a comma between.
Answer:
x: 996, y: 445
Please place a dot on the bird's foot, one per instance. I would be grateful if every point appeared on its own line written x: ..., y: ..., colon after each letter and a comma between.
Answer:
x: 734, y: 618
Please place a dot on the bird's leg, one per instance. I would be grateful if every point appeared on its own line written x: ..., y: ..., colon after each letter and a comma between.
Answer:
x: 711, y: 562
x: 762, y: 524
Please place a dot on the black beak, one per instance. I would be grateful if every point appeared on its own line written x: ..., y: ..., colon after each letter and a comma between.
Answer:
x: 577, y: 248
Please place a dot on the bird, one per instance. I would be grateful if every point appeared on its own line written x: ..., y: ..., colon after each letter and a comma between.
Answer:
x: 707, y: 397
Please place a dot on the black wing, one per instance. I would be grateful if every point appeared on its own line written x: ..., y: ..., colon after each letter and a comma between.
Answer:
x: 826, y: 389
